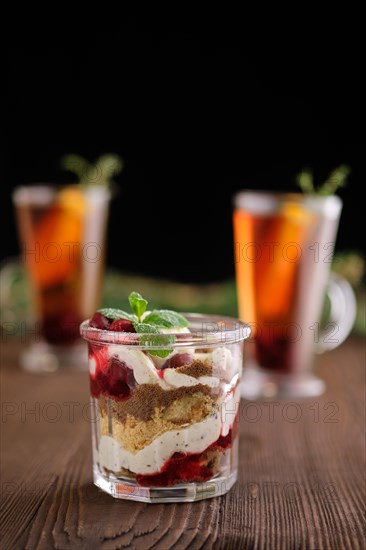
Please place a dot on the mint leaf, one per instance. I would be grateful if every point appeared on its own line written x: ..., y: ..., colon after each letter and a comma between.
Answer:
x: 138, y: 304
x: 150, y: 337
x: 144, y: 327
x: 305, y: 181
x: 113, y: 313
x: 98, y: 174
x: 336, y: 179
x: 162, y: 353
x: 166, y: 318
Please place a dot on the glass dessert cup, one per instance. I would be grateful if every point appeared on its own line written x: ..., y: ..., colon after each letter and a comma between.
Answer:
x: 166, y: 429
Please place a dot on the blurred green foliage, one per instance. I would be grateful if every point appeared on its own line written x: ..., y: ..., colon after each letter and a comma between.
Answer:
x: 215, y: 298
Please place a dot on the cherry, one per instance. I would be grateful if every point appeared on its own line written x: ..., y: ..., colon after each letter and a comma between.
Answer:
x: 121, y: 379
x: 100, y: 354
x: 122, y: 325
x: 178, y: 360
x: 98, y: 380
x: 104, y: 323
x: 112, y: 376
x: 100, y: 321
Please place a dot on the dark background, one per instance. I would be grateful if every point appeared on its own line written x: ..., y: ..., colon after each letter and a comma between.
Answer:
x: 195, y: 118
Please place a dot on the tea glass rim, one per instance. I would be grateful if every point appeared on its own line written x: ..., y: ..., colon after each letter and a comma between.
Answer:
x: 285, y: 196
x: 330, y: 205
x: 32, y: 192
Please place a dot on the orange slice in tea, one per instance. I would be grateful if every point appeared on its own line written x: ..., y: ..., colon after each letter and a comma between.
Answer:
x: 59, y: 237
x: 276, y: 276
x: 72, y: 199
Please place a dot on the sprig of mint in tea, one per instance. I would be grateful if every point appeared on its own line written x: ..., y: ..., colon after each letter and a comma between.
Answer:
x: 336, y: 179
x: 100, y: 173
x: 148, y: 324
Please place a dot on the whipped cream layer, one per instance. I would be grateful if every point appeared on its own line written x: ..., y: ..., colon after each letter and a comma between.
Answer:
x: 146, y: 372
x: 191, y: 439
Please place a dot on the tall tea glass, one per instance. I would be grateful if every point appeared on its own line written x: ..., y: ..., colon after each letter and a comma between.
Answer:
x: 62, y: 238
x: 283, y: 252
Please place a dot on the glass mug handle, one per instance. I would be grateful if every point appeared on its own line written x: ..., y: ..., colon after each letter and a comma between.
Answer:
x: 342, y: 315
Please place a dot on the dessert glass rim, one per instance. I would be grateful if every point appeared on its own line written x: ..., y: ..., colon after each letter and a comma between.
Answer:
x: 206, y: 330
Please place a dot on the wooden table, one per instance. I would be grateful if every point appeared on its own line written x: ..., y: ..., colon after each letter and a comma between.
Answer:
x: 301, y: 481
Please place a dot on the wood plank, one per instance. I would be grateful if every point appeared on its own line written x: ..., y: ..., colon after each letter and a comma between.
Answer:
x: 301, y: 477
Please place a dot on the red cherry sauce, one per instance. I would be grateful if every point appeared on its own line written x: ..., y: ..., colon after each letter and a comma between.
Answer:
x: 112, y: 376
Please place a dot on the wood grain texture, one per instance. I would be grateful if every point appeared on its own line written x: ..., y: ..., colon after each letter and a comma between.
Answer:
x: 301, y: 480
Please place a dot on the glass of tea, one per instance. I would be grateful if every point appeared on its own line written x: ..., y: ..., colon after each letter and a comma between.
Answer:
x: 62, y: 236
x: 283, y: 252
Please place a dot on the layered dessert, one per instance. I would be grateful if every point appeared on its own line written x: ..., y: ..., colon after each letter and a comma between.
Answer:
x: 168, y: 414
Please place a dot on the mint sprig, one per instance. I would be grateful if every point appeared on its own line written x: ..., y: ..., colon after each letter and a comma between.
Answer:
x: 138, y: 304
x: 99, y: 173
x: 149, y: 327
x: 336, y: 179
